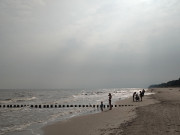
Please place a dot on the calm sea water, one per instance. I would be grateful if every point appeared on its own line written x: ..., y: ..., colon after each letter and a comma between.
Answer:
x: 29, y: 121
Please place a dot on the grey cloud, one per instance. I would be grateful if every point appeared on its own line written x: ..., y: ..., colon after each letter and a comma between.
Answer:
x: 68, y: 44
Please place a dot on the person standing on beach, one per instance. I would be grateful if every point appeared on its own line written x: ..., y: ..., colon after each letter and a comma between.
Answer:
x: 141, y: 95
x: 134, y: 95
x: 143, y: 91
x: 110, y: 97
x: 101, y: 106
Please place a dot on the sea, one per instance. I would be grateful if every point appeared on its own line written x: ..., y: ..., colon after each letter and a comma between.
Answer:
x: 30, y: 120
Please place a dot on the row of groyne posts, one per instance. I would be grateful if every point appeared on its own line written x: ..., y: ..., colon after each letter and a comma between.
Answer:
x: 59, y: 106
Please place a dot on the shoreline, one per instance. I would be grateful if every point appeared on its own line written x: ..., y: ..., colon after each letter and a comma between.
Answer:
x: 105, y: 122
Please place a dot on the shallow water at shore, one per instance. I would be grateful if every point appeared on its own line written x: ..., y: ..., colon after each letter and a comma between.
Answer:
x: 28, y: 120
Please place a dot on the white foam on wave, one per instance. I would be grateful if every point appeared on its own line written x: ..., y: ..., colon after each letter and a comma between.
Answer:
x: 23, y: 99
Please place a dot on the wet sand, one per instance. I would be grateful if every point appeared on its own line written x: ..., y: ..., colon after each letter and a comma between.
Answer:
x: 104, y: 123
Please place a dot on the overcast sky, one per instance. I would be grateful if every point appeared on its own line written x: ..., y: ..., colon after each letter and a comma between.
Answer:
x: 88, y: 43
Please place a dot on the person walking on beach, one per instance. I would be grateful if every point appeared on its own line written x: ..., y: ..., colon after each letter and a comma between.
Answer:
x: 134, y: 95
x: 110, y: 97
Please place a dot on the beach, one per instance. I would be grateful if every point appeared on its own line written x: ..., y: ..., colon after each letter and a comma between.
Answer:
x: 158, y: 113
x: 107, y: 122
x: 162, y: 118
x: 35, y: 114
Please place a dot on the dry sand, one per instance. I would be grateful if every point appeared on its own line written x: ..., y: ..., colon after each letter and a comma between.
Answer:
x: 106, y: 122
x: 157, y: 114
x: 162, y: 118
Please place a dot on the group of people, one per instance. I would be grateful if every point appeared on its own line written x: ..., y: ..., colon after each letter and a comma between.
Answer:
x: 138, y: 97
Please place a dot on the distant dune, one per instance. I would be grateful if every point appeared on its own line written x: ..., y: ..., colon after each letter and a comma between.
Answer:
x: 173, y: 83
